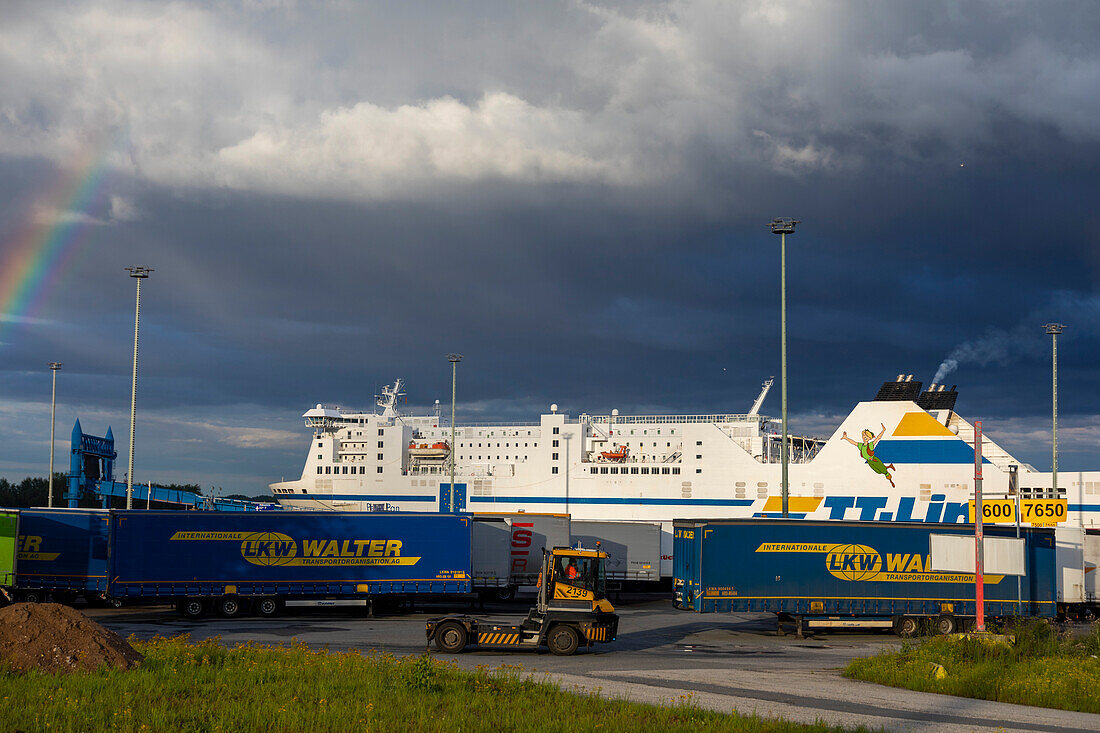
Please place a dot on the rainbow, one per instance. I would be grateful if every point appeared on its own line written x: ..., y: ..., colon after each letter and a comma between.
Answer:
x: 41, y: 249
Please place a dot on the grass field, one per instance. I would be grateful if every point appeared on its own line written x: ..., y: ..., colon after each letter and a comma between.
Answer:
x: 1042, y: 668
x: 184, y: 686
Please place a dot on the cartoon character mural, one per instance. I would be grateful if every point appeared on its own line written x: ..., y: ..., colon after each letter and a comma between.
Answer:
x: 867, y: 450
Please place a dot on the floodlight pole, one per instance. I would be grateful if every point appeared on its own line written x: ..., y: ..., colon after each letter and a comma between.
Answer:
x: 54, y: 366
x: 783, y: 226
x: 139, y: 274
x: 454, y: 359
x: 1054, y: 329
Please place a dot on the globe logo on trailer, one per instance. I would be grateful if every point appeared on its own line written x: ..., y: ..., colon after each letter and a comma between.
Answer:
x: 268, y: 548
x: 853, y: 562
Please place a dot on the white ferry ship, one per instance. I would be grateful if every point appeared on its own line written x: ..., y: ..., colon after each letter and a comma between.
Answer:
x: 904, y: 456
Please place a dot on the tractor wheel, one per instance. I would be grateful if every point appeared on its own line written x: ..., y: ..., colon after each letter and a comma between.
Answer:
x: 946, y: 625
x: 450, y: 637
x: 192, y: 608
x: 267, y: 607
x: 563, y: 640
x: 907, y: 627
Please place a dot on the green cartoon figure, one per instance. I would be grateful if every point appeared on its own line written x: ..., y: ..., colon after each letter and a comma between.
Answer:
x: 867, y: 450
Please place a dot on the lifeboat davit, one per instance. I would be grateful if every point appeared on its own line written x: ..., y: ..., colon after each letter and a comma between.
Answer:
x: 429, y: 450
x: 618, y: 455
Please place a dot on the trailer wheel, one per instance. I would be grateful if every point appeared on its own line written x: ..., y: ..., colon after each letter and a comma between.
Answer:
x: 450, y: 637
x: 229, y: 606
x: 267, y: 607
x: 507, y: 593
x: 32, y: 596
x: 191, y: 608
x: 563, y: 640
x: 907, y: 627
x: 113, y: 603
x: 945, y: 625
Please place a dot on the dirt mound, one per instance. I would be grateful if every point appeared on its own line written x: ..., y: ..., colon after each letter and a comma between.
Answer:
x: 50, y: 637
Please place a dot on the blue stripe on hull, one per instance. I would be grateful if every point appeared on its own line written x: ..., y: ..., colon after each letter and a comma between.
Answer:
x: 925, y: 451
x: 609, y: 500
x: 358, y: 497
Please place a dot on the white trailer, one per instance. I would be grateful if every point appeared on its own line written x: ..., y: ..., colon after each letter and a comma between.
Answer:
x: 633, y: 548
x: 530, y: 533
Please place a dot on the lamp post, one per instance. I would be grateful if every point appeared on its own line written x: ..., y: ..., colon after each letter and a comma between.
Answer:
x: 783, y: 226
x: 139, y: 274
x: 54, y: 366
x: 454, y: 359
x: 1054, y: 329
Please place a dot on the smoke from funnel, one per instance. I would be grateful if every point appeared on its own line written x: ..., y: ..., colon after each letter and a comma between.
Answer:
x: 1025, y: 340
x: 996, y: 346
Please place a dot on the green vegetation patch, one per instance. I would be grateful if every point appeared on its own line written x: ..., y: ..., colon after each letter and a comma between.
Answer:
x: 184, y: 686
x: 1043, y: 668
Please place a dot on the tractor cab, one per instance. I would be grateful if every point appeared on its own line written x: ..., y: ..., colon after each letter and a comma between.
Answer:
x: 572, y: 610
x: 574, y: 579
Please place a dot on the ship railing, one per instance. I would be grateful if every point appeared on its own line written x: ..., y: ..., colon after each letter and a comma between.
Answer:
x: 666, y: 419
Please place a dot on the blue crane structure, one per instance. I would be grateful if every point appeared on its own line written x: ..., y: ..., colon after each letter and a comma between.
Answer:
x: 92, y: 474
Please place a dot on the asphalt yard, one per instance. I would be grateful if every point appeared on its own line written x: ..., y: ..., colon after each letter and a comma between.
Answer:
x: 664, y: 656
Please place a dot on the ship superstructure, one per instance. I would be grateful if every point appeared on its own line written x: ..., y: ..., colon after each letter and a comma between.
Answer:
x: 904, y: 456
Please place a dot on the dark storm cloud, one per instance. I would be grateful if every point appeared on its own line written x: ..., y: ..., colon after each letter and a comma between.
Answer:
x: 574, y: 196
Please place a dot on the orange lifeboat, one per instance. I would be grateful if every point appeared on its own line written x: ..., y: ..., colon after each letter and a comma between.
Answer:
x: 618, y: 455
x: 429, y: 451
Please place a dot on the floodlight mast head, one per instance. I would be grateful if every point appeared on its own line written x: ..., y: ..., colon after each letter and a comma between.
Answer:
x: 783, y: 225
x: 138, y: 271
x: 454, y: 358
x: 1054, y: 328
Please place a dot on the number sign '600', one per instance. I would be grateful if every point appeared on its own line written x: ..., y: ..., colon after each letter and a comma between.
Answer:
x: 1036, y: 512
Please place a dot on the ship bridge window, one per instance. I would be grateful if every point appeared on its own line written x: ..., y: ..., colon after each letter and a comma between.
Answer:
x: 379, y: 469
x: 676, y: 471
x: 328, y: 469
x: 554, y: 469
x: 556, y: 431
x: 614, y: 469
x: 380, y: 443
x: 379, y: 456
x: 645, y: 470
x: 381, y: 432
x: 667, y: 471
x: 555, y: 444
x: 362, y: 469
x: 603, y: 469
x: 553, y: 456
x: 318, y: 469
x: 634, y: 469
x: 593, y: 469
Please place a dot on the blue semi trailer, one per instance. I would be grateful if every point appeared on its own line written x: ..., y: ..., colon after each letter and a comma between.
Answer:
x: 232, y: 562
x: 61, y: 554
x: 853, y: 574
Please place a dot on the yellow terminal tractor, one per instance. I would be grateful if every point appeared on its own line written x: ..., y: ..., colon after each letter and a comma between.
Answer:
x: 572, y: 610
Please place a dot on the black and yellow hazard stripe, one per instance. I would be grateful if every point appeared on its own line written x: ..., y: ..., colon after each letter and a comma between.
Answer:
x: 498, y: 637
x: 596, y: 633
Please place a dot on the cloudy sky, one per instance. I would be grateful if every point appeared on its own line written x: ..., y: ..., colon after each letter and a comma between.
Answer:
x: 571, y: 194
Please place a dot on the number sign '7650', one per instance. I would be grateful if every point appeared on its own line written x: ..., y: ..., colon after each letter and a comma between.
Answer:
x: 1036, y: 512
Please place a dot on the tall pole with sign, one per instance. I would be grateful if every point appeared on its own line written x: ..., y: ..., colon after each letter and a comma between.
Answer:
x: 979, y: 566
x: 1054, y: 329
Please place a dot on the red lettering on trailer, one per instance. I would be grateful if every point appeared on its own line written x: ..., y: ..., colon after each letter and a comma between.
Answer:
x: 521, y: 542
